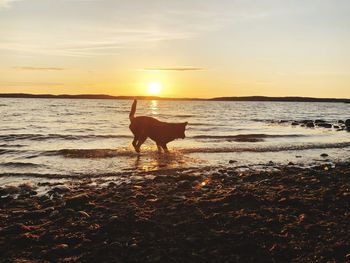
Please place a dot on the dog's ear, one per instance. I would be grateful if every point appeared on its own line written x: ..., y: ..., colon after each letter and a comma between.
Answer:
x: 185, y: 123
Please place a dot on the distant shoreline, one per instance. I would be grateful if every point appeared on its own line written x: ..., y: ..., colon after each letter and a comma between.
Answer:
x: 109, y: 97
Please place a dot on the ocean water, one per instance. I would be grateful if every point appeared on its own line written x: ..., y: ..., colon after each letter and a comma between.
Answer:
x: 72, y: 138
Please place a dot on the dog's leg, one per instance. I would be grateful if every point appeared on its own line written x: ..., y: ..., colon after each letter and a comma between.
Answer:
x: 134, y: 142
x: 141, y: 140
x: 165, y: 148
x: 159, y: 148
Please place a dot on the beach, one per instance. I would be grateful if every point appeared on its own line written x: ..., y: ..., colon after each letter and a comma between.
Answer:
x: 213, y: 214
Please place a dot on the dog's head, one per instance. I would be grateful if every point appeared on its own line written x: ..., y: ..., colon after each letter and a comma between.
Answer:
x: 181, y: 128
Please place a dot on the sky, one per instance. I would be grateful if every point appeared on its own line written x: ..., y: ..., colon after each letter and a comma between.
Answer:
x: 186, y: 48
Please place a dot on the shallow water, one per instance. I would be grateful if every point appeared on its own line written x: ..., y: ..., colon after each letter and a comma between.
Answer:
x: 51, y: 138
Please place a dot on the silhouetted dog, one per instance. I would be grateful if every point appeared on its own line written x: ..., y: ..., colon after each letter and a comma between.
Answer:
x: 161, y: 132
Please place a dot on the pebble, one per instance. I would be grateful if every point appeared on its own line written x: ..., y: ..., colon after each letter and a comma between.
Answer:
x: 325, y: 125
x: 77, y: 200
x: 60, y: 247
x: 184, y: 184
x: 294, y: 213
x: 113, y: 218
x: 60, y: 189
x: 84, y: 214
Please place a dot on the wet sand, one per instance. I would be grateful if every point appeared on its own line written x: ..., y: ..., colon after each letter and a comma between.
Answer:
x: 210, y: 215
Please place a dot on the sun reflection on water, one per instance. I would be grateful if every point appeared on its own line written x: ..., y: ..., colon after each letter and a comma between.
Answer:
x: 151, y: 160
x: 154, y: 107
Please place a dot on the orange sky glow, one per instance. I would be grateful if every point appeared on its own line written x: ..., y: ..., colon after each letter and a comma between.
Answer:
x: 188, y: 48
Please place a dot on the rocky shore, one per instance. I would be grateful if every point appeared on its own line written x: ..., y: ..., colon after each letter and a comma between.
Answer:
x: 211, y: 215
x: 338, y: 125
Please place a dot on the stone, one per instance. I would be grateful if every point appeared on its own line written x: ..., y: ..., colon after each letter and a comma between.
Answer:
x: 77, y: 200
x: 184, y: 184
x: 112, y: 184
x: 347, y: 124
x: 8, y: 190
x: 306, y: 121
x: 84, y: 214
x: 325, y: 125
x: 39, y: 213
x: 140, y: 197
x: 60, y: 247
x: 60, y: 189
x: 54, y: 213
x: 113, y: 218
x: 15, y: 229
x: 26, y: 187
x: 231, y: 173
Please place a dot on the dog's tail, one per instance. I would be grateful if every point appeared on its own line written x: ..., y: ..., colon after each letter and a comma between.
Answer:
x: 133, y: 110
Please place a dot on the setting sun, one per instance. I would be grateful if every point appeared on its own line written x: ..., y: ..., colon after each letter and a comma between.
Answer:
x: 154, y: 88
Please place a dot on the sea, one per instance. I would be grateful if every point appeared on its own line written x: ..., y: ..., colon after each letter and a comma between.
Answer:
x: 68, y: 139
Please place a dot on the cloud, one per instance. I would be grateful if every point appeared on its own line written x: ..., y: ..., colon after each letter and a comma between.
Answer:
x: 7, y: 3
x: 93, y: 41
x: 40, y: 68
x: 111, y: 31
x: 175, y: 69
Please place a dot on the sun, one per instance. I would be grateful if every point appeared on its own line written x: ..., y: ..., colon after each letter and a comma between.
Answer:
x: 154, y: 88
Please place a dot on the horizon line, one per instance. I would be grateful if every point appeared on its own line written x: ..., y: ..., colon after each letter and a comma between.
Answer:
x: 147, y: 97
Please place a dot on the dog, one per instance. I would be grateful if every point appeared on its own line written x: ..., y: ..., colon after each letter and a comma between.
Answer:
x: 160, y: 132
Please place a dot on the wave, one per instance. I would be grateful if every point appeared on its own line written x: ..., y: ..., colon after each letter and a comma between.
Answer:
x: 207, y: 124
x: 124, y: 152
x: 200, y: 124
x: 45, y: 175
x: 182, y: 115
x: 12, y: 145
x: 20, y: 164
x: 11, y: 129
x: 7, y: 151
x: 88, y: 153
x: 41, y: 137
x: 73, y: 113
x: 119, y: 111
x: 268, y: 149
x: 246, y: 137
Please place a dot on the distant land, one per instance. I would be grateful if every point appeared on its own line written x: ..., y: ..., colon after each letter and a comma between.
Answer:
x: 109, y: 97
